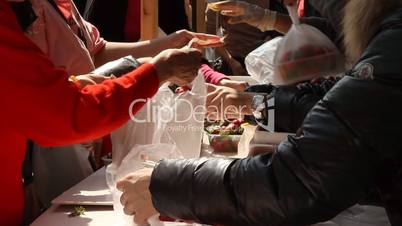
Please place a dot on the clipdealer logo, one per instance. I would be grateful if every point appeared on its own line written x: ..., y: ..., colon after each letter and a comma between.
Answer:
x: 183, y: 111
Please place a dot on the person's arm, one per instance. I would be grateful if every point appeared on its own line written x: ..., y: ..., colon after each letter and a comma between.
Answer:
x: 45, y: 107
x: 211, y: 28
x: 347, y: 146
x: 292, y: 103
x: 265, y: 19
x: 42, y: 104
x: 150, y: 48
x: 210, y: 75
x: 116, y: 50
x: 310, y: 178
x: 235, y: 66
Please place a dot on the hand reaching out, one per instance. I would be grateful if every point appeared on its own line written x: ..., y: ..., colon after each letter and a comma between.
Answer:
x: 136, y: 197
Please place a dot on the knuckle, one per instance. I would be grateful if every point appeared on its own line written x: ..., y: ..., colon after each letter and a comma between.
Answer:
x: 128, y: 209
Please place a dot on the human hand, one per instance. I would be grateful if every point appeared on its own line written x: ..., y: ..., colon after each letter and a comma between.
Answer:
x: 91, y: 79
x: 243, y: 12
x: 136, y: 197
x: 183, y: 38
x: 227, y: 103
x: 179, y: 66
x: 144, y: 60
x: 237, y: 85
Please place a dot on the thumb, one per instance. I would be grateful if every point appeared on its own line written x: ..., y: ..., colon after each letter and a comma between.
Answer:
x: 236, y: 20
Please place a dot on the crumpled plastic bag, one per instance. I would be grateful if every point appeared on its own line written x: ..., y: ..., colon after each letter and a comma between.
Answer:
x: 167, y: 128
x: 305, y: 53
x: 260, y: 62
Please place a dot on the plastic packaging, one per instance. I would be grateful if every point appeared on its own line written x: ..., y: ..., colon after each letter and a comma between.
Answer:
x: 117, y: 67
x: 170, y: 127
x: 305, y: 53
x: 260, y: 62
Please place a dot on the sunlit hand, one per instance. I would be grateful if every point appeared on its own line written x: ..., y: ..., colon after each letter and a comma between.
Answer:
x: 136, y: 197
x: 183, y: 37
x: 227, y: 103
x: 243, y: 12
x: 91, y: 79
x: 237, y: 85
x: 144, y: 60
x: 179, y: 66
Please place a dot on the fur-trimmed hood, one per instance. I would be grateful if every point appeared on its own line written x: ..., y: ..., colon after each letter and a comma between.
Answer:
x: 361, y: 21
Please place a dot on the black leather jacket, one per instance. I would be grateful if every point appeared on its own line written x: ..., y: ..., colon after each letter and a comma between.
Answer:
x: 349, y: 144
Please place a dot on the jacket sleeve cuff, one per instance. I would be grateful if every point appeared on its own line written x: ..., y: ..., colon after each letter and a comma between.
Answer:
x: 185, y: 189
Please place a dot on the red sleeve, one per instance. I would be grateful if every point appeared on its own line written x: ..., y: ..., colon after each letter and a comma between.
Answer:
x: 210, y: 75
x: 38, y: 100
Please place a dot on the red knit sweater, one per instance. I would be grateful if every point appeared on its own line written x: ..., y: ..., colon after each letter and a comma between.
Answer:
x: 38, y: 102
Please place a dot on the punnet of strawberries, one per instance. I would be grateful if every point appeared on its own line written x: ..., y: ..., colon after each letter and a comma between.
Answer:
x: 225, y: 136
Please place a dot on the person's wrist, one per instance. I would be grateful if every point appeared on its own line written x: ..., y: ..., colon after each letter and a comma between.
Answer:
x: 223, y: 81
x: 161, y: 71
x: 144, y: 60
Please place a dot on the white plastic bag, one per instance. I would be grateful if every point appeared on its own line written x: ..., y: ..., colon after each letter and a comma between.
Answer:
x: 166, y: 128
x: 133, y: 162
x: 305, y: 53
x: 260, y: 62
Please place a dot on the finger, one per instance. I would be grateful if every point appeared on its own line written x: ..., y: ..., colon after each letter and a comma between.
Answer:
x: 86, y: 81
x: 129, y: 209
x: 217, y: 100
x: 141, y: 219
x: 211, y: 44
x: 146, y: 213
x: 123, y: 199
x: 122, y: 184
x: 211, y: 88
x: 211, y: 103
x: 197, y: 53
x: 236, y: 20
x: 211, y: 97
x: 207, y: 37
x: 193, y: 54
x: 192, y: 42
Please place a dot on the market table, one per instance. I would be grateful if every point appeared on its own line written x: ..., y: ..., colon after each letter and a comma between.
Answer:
x: 93, y: 190
x: 94, y: 215
x: 90, y: 190
x: 59, y: 215
x: 100, y: 213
